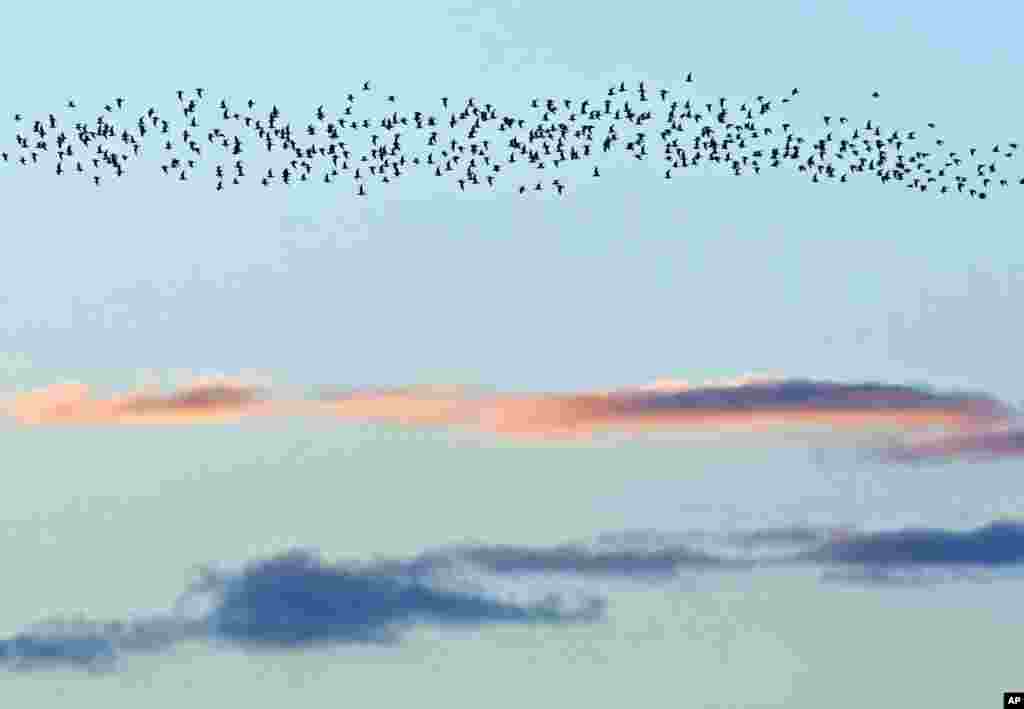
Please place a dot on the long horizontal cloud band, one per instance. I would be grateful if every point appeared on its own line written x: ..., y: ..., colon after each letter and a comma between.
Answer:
x: 298, y: 601
x: 997, y: 442
x: 746, y: 404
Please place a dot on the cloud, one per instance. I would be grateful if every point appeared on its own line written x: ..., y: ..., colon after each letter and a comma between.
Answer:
x: 589, y: 562
x: 94, y: 645
x: 41, y: 650
x: 800, y: 401
x: 886, y: 576
x: 745, y: 404
x: 997, y: 544
x: 422, y: 406
x: 779, y: 537
x: 1006, y: 441
x: 292, y: 601
x: 297, y: 601
x: 972, y: 425
x: 221, y: 399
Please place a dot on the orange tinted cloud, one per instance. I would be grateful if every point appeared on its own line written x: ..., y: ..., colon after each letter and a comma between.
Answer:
x: 203, y: 400
x: 745, y: 404
x: 422, y: 406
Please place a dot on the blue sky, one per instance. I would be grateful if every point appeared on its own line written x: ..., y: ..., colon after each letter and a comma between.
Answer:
x: 623, y: 281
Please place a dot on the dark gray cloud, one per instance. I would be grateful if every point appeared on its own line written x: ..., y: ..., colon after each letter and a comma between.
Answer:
x: 291, y: 601
x: 816, y: 396
x: 296, y: 600
x: 996, y: 544
x: 579, y: 560
x: 906, y: 576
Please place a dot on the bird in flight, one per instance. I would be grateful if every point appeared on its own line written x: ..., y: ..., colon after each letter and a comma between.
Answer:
x: 557, y: 134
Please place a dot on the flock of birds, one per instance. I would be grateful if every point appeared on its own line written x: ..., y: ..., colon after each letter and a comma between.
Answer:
x: 482, y: 148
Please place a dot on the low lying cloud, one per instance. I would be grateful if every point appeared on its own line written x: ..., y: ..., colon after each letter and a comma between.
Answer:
x: 297, y: 601
x: 292, y: 601
x: 587, y: 562
x: 996, y: 544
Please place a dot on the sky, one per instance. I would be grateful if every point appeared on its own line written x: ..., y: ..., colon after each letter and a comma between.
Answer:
x: 630, y: 280
x: 622, y: 282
